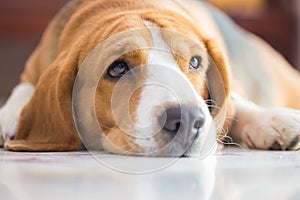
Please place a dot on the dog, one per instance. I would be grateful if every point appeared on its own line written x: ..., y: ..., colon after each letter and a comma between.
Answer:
x: 151, y: 78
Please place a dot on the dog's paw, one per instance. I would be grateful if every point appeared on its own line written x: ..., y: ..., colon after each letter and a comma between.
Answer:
x: 273, y: 129
x: 8, y: 124
x: 10, y: 112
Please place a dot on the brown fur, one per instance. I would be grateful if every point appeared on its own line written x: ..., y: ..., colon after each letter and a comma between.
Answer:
x: 47, y: 122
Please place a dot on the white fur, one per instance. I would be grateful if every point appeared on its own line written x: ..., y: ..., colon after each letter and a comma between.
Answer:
x: 10, y: 112
x: 165, y: 83
x: 260, y: 127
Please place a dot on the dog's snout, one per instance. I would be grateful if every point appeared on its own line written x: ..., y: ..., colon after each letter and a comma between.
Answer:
x: 183, y: 119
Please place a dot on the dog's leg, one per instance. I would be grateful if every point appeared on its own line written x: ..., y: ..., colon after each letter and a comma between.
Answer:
x: 265, y: 128
x: 10, y: 112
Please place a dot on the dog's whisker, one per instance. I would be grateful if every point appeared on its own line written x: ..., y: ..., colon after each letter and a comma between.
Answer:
x: 214, y: 106
x: 210, y: 101
x: 227, y: 140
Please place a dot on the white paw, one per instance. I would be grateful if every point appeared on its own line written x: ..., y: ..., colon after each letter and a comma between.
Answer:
x: 10, y: 112
x: 274, y: 129
x: 9, y: 118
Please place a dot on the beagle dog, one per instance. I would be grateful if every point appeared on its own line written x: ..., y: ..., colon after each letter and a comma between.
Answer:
x: 151, y: 78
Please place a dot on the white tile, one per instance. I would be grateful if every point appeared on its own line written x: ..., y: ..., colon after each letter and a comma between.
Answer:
x: 230, y: 174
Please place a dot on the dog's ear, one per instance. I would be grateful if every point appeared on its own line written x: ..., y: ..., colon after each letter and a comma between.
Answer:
x: 46, y: 122
x: 219, y: 87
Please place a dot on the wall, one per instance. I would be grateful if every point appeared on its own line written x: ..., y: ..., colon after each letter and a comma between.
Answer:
x: 21, y: 25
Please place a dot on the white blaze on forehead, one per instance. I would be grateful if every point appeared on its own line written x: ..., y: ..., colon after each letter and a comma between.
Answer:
x: 160, y: 53
x: 165, y: 83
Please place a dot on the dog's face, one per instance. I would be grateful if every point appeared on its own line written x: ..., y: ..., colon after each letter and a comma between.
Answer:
x: 152, y: 100
x: 153, y: 95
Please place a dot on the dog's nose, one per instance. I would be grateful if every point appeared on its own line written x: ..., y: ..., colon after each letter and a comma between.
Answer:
x: 183, y: 118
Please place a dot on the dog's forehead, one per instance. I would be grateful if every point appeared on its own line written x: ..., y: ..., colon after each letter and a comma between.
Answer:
x: 137, y: 44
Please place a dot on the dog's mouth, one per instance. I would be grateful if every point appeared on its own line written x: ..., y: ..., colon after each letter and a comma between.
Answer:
x: 183, y: 143
x: 179, y: 144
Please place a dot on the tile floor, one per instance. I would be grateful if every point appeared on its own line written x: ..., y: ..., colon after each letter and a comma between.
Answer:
x: 230, y: 174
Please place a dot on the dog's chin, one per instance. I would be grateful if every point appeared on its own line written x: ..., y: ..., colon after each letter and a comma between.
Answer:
x: 201, y: 147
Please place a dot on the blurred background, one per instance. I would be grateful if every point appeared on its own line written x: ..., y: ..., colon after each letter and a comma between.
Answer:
x: 22, y: 22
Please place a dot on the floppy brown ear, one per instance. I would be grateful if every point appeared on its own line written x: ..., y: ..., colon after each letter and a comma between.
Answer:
x: 219, y: 88
x: 46, y: 122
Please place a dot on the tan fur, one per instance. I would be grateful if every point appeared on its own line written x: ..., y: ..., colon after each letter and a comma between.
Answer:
x: 47, y: 122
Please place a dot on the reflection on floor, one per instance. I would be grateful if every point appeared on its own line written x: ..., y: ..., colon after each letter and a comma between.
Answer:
x: 230, y: 174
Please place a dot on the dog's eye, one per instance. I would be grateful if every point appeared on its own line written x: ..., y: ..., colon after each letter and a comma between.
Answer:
x: 195, y: 62
x: 118, y: 69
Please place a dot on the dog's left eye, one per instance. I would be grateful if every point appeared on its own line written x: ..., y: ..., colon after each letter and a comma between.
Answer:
x: 117, y: 69
x: 196, y: 62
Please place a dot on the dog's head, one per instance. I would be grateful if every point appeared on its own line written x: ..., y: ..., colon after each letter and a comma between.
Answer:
x: 156, y: 85
x: 148, y: 83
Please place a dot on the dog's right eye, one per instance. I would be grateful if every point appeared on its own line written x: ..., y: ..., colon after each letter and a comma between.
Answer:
x: 117, y: 69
